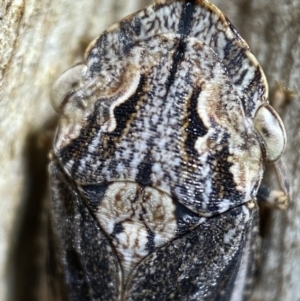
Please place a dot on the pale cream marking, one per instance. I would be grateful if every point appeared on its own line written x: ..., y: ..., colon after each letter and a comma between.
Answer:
x: 246, y: 168
x: 159, y: 216
x: 131, y: 244
x: 127, y: 90
x: 136, y: 210
x: 270, y: 127
x: 69, y: 81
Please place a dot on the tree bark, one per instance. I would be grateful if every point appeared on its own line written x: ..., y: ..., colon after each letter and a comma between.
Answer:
x: 40, y: 39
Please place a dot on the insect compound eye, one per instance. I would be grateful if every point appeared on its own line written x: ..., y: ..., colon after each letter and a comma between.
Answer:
x: 271, y: 129
x: 66, y: 84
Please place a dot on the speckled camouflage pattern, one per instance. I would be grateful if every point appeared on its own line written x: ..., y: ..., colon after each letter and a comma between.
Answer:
x: 159, y: 154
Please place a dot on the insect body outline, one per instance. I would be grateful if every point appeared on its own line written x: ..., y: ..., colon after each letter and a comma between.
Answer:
x: 163, y: 135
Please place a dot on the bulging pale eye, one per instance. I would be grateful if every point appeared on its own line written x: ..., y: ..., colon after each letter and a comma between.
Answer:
x: 67, y: 83
x: 271, y: 129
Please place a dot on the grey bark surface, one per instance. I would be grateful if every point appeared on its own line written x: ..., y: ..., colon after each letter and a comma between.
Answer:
x: 40, y: 39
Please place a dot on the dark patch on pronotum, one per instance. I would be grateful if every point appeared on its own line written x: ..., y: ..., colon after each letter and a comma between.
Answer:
x: 176, y: 60
x: 124, y: 111
x: 144, y: 172
x: 93, y: 194
x: 186, y: 17
x: 195, y: 128
x: 117, y: 230
x: 125, y: 36
x: 186, y: 219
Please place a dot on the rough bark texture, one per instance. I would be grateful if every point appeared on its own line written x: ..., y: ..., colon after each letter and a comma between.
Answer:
x: 40, y: 39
